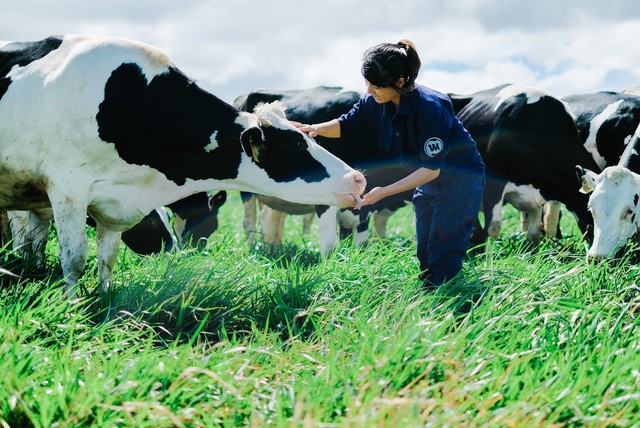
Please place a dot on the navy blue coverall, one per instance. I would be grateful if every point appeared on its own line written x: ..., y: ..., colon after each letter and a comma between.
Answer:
x: 425, y: 132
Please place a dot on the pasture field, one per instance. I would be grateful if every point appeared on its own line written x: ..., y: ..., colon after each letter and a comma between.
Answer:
x: 230, y: 337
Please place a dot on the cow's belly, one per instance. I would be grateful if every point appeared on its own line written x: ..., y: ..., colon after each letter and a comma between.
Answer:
x: 20, y: 190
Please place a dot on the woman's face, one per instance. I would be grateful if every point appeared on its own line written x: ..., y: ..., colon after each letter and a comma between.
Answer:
x: 382, y: 95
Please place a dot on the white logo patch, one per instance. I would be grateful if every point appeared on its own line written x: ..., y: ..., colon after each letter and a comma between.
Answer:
x: 433, y: 146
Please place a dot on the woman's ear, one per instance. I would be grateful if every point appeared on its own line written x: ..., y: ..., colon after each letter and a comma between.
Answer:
x: 400, y: 83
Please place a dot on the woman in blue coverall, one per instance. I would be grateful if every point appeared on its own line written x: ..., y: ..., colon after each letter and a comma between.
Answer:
x: 418, y: 126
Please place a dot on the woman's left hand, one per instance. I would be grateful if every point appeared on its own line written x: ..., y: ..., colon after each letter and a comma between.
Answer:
x: 376, y: 194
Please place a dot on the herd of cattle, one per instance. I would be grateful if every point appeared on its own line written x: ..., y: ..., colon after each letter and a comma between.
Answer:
x: 108, y: 130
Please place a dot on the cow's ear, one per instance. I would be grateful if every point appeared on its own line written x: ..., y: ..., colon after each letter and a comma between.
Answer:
x: 217, y: 200
x: 252, y: 142
x: 587, y: 179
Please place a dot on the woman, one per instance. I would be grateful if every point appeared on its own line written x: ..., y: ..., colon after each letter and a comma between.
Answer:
x: 419, y: 127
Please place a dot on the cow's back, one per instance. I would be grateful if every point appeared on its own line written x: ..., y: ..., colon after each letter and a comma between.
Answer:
x: 50, y: 92
x: 526, y: 136
x: 606, y: 121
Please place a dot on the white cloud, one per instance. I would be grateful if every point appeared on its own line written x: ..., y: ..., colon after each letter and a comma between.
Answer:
x: 232, y: 47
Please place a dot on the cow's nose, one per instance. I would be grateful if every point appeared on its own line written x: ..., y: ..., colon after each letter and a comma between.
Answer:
x: 358, y: 181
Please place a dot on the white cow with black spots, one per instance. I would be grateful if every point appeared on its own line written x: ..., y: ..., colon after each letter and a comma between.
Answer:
x: 112, y: 128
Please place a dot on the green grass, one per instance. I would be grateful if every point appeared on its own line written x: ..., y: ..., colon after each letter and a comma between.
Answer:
x: 232, y: 337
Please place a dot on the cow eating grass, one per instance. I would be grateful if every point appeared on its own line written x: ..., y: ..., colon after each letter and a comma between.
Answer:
x: 614, y: 203
x: 111, y: 127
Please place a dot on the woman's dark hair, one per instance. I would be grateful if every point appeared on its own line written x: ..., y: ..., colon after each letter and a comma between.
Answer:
x: 384, y: 64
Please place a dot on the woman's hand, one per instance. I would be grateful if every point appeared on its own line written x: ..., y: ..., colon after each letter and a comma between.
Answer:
x: 309, y: 129
x: 376, y: 194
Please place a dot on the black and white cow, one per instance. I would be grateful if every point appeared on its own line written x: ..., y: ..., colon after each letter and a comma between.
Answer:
x: 606, y: 123
x: 530, y: 146
x: 614, y: 201
x: 186, y: 222
x: 315, y: 105
x: 112, y: 128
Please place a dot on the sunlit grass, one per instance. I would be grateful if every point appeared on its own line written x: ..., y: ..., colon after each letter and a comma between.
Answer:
x: 233, y: 336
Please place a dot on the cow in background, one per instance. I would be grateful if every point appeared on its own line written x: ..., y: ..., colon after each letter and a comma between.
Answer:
x: 614, y: 201
x: 112, y: 128
x: 361, y: 151
x: 184, y: 223
x: 606, y: 122
x: 530, y: 146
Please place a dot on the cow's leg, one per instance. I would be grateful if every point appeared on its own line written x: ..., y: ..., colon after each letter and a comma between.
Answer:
x: 108, y: 242
x: 328, y: 224
x: 279, y: 227
x: 492, y: 203
x: 493, y: 219
x: 551, y: 219
x: 362, y: 232
x: 271, y: 222
x: 30, y: 230
x: 39, y: 223
x: 71, y: 219
x: 532, y: 223
x: 380, y: 221
x: 250, y: 218
x: 5, y: 231
x: 19, y: 227
x: 306, y: 223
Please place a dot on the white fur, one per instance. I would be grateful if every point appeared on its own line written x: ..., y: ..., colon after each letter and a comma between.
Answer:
x: 533, y: 94
x: 616, y: 218
x: 595, y: 124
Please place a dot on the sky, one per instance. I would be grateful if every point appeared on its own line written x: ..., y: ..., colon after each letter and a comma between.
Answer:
x: 231, y: 47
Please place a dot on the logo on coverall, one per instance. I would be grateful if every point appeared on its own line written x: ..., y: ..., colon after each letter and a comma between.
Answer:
x: 433, y: 146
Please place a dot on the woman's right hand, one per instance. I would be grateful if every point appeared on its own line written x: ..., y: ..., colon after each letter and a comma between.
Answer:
x: 309, y: 129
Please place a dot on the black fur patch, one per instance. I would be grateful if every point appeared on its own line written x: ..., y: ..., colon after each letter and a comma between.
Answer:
x: 166, y: 124
x: 21, y: 54
x: 635, y: 199
x: 285, y: 157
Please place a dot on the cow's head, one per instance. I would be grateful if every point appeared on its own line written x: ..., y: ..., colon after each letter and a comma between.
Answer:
x: 285, y: 162
x: 615, y: 206
x: 195, y: 218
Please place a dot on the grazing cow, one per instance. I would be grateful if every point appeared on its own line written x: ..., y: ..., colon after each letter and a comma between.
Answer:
x: 112, y: 128
x: 614, y: 201
x: 188, y: 221
x: 606, y: 122
x: 317, y: 105
x: 527, y: 138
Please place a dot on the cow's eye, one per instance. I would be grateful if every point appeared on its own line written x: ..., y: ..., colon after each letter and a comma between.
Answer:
x: 627, y: 213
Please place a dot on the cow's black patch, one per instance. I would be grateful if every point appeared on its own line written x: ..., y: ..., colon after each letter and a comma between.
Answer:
x: 166, y: 124
x: 516, y: 148
x: 635, y: 199
x: 611, y: 134
x: 21, y: 54
x: 281, y: 149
